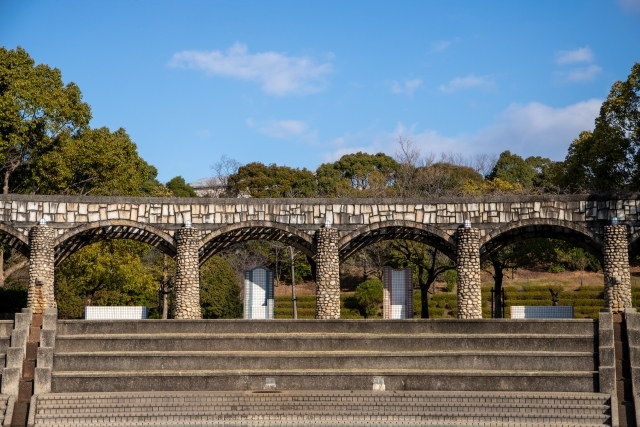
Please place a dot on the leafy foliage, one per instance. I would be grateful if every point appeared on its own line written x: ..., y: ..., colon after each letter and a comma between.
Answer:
x: 358, y: 174
x: 95, y: 162
x: 179, y: 187
x: 35, y: 108
x: 369, y: 296
x: 608, y: 159
x: 257, y: 180
x: 105, y: 273
x: 219, y: 290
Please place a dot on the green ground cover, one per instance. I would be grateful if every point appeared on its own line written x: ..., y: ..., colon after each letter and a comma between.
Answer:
x: 586, y: 301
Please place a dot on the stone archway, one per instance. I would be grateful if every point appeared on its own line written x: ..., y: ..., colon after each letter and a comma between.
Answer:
x: 13, y: 238
x: 94, y: 232
x: 541, y: 228
x: 230, y: 235
x: 396, y: 230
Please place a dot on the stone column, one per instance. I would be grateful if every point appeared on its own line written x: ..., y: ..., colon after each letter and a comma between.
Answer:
x: 41, y: 294
x: 327, y: 274
x: 468, y: 261
x: 187, y: 288
x: 617, y: 278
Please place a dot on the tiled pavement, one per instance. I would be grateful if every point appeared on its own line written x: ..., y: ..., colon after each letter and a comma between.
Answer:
x: 321, y: 408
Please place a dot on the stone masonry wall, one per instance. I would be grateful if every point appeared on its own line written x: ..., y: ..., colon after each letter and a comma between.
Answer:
x: 62, y: 213
x: 41, y: 292
x: 327, y: 274
x: 187, y: 287
x: 468, y: 259
x: 617, y: 278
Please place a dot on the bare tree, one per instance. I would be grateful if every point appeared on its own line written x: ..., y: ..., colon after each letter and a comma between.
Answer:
x: 245, y: 256
x: 14, y: 263
x: 219, y: 182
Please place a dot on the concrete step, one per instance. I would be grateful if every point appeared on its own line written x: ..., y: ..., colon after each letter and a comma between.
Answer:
x: 323, y: 342
x: 5, y: 343
x: 6, y: 326
x: 324, y: 379
x: 409, y: 326
x: 3, y: 405
x: 230, y: 360
x: 354, y: 408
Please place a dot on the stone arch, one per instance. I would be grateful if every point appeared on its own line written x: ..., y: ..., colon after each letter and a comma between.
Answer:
x: 231, y: 234
x: 634, y: 245
x: 13, y: 238
x: 93, y: 232
x: 516, y: 231
x: 397, y: 229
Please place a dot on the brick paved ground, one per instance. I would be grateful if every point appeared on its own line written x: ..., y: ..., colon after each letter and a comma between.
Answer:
x: 327, y: 408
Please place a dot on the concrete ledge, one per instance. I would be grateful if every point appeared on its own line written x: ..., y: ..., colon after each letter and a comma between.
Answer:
x: 632, y: 319
x: 48, y: 338
x: 42, y: 381
x: 19, y: 338
x: 45, y: 357
x: 31, y: 419
x: 22, y: 321
x: 113, y: 381
x: 15, y: 357
x: 49, y: 321
x: 8, y: 415
x: 11, y: 381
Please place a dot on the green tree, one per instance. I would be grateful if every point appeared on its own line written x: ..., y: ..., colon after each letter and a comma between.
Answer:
x: 513, y: 169
x: 105, y: 273
x: 35, y: 108
x: 354, y: 174
x: 258, y: 180
x: 219, y: 290
x: 180, y: 188
x: 369, y: 296
x: 94, y: 162
x: 608, y: 159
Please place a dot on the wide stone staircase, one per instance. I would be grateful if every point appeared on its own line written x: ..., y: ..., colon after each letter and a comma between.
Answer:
x: 282, y: 372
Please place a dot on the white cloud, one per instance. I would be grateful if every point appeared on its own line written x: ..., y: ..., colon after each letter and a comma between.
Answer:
x: 284, y: 129
x: 582, y: 74
x: 468, y: 82
x: 532, y: 129
x: 278, y: 73
x: 582, y: 54
x: 538, y: 129
x: 408, y: 87
x: 632, y: 6
x: 203, y: 133
x: 441, y: 45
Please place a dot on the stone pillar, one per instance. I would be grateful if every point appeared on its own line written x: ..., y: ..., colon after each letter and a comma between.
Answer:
x: 327, y: 274
x: 468, y: 261
x: 187, y: 288
x: 41, y: 294
x: 617, y: 278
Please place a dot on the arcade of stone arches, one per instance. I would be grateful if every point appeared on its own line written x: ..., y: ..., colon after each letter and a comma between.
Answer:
x: 327, y: 248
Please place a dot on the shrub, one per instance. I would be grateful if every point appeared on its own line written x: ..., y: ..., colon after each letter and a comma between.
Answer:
x: 369, y: 296
x: 450, y: 276
x: 556, y: 268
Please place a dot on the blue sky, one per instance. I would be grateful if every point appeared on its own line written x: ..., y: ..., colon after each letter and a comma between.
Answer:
x: 301, y: 83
